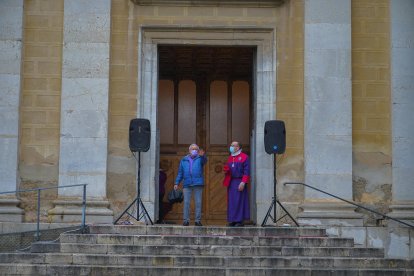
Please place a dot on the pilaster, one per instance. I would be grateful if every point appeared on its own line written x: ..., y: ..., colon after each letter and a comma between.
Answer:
x: 11, y: 35
x: 84, y: 105
x: 328, y: 90
x: 402, y: 86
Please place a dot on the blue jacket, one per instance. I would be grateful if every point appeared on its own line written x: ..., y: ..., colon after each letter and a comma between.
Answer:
x: 195, y: 178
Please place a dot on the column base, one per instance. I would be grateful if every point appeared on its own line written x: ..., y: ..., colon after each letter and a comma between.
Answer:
x: 329, y: 213
x: 402, y: 210
x: 70, y: 210
x: 9, y: 212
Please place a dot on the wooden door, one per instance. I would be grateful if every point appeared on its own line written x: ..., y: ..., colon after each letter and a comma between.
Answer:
x: 210, y: 113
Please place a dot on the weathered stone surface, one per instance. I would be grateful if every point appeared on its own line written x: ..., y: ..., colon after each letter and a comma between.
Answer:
x: 402, y: 82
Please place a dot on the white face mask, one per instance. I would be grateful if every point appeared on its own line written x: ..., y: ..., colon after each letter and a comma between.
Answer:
x: 194, y: 152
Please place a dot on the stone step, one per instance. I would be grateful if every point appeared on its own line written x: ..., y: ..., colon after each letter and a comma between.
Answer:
x: 27, y: 269
x: 207, y: 230
x: 45, y: 247
x: 201, y: 239
x: 220, y: 250
x: 206, y: 261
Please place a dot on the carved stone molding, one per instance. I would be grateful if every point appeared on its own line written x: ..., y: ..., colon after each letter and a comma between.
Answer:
x: 218, y: 3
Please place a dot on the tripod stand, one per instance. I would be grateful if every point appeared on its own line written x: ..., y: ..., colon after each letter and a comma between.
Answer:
x: 275, y: 200
x: 138, y: 199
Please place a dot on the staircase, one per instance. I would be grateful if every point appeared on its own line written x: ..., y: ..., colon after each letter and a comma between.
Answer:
x: 177, y: 250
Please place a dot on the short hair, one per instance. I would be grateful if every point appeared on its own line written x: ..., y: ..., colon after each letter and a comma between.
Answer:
x: 238, y: 143
x: 193, y: 145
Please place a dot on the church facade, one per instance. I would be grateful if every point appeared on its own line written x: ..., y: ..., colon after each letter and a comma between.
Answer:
x: 339, y: 73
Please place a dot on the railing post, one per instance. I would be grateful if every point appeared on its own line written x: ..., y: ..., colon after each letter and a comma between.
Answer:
x: 83, y: 208
x: 38, y: 216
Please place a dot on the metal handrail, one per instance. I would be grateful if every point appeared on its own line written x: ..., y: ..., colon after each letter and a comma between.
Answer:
x: 83, y: 224
x: 350, y: 202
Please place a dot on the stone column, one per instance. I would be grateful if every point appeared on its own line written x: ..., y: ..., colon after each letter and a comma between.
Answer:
x: 11, y: 32
x: 328, y: 113
x: 84, y: 110
x: 402, y: 82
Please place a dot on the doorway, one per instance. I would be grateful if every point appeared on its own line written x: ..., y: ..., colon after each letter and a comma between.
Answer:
x: 204, y: 97
x: 263, y: 108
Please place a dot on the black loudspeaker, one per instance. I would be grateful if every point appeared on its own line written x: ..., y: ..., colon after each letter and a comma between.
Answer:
x: 275, y: 137
x: 139, y: 135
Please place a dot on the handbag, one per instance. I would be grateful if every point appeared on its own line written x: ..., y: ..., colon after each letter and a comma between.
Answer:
x: 175, y: 196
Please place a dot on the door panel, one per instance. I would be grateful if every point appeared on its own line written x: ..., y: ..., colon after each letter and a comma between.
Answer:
x: 240, y: 109
x: 216, y: 195
x: 187, y: 109
x: 218, y: 113
x: 165, y: 109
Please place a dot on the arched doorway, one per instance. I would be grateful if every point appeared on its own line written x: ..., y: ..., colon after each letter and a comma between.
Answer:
x: 204, y: 97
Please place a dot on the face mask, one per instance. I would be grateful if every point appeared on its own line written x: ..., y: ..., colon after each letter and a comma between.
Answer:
x: 232, y: 150
x: 194, y: 152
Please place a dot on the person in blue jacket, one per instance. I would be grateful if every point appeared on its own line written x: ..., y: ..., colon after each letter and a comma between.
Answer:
x: 190, y: 172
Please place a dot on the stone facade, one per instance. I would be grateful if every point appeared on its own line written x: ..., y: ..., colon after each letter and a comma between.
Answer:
x: 75, y: 73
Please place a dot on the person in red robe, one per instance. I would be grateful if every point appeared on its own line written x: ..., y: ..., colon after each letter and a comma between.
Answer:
x: 237, y: 177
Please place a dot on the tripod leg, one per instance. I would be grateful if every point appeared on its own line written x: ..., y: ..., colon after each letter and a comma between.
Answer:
x: 138, y: 183
x: 145, y: 211
x: 287, y: 213
x: 268, y: 212
x: 125, y: 211
x: 137, y: 200
x: 281, y: 218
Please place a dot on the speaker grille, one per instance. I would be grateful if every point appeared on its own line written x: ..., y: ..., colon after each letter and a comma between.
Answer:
x: 139, y: 135
x: 275, y: 137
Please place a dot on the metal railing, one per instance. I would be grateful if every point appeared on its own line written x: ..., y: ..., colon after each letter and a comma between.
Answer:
x: 350, y: 202
x: 83, y: 225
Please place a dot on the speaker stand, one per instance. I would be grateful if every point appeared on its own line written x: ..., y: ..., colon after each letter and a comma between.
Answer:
x: 137, y: 200
x: 276, y: 201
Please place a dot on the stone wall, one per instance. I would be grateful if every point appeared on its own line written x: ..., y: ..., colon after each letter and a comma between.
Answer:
x: 371, y: 108
x: 121, y: 179
x: 40, y: 103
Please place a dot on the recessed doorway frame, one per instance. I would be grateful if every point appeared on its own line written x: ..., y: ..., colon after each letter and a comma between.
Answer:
x: 263, y: 100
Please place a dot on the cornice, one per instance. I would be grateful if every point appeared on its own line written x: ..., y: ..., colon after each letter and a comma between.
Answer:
x: 216, y: 3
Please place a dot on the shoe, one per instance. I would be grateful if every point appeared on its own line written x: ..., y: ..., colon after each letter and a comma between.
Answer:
x: 186, y: 223
x: 231, y: 224
x: 198, y: 223
x: 239, y: 224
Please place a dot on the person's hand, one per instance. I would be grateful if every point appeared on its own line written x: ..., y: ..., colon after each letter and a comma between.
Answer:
x: 201, y: 152
x: 241, y: 186
x: 176, y: 187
